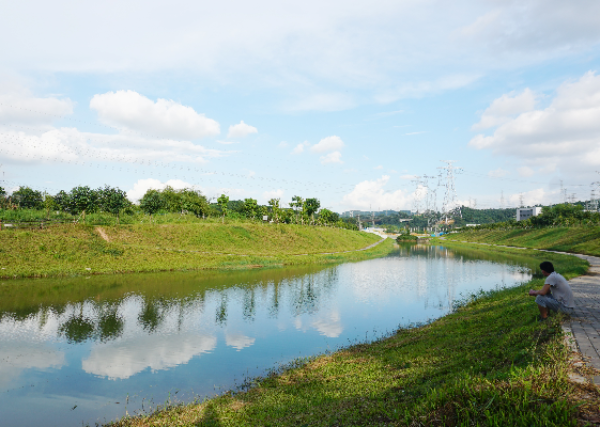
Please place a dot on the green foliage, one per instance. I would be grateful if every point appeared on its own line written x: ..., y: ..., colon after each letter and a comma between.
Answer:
x: 311, y: 206
x: 83, y: 200
x: 250, y: 208
x: 113, y: 200
x: 274, y: 203
x: 26, y: 198
x: 152, y: 202
x: 223, y: 202
x: 327, y: 217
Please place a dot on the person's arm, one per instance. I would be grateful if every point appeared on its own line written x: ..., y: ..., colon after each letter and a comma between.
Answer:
x: 544, y: 290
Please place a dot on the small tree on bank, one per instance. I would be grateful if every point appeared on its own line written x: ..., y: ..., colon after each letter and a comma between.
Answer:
x: 223, y: 202
x: 152, y: 202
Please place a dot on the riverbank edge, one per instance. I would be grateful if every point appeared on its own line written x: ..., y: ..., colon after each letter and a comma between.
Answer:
x: 576, y: 337
x: 224, y: 262
x: 229, y: 408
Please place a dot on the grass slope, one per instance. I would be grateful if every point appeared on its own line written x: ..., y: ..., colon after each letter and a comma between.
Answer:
x: 82, y: 249
x: 582, y: 240
x: 490, y: 363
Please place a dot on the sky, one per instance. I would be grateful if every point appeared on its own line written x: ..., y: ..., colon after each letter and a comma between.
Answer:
x: 349, y: 102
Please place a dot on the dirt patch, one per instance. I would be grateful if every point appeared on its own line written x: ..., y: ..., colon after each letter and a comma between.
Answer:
x: 102, y: 234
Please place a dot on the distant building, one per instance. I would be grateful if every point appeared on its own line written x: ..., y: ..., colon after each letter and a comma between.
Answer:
x: 526, y: 213
x: 472, y: 225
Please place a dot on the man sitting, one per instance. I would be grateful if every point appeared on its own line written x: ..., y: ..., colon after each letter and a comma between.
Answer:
x: 556, y: 294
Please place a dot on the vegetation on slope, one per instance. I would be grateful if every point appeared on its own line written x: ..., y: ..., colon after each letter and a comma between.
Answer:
x: 582, y: 240
x: 490, y: 363
x: 82, y: 249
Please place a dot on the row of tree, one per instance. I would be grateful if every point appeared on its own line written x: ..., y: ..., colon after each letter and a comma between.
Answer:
x: 564, y: 214
x: 84, y: 200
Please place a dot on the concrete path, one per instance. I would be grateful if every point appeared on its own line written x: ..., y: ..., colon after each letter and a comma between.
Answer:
x: 584, y: 324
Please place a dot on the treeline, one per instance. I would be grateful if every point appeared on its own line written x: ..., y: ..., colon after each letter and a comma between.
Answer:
x: 562, y: 215
x: 83, y: 200
x: 484, y: 216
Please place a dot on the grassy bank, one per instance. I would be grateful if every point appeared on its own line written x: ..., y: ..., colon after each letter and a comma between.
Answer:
x: 65, y: 250
x: 582, y: 240
x: 490, y: 363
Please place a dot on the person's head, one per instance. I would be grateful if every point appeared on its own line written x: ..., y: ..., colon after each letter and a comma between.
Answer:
x: 547, y: 268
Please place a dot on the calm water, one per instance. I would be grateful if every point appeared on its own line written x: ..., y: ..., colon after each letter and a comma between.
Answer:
x: 86, y: 350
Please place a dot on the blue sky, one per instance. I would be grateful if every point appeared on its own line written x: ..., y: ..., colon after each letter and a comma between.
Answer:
x: 347, y: 102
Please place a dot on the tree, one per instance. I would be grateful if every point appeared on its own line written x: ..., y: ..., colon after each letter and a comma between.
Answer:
x: 223, y: 202
x: 152, y: 202
x: 49, y: 204
x: 297, y: 204
x: 250, y: 208
x: 328, y: 217
x: 84, y: 200
x: 113, y: 200
x: 27, y: 198
x: 311, y: 206
x: 62, y: 200
x: 274, y: 203
x: 193, y: 201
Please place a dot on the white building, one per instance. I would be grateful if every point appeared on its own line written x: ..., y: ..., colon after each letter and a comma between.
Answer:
x: 526, y: 213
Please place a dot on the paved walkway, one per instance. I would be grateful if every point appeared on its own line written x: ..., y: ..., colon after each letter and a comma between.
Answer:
x: 585, y: 322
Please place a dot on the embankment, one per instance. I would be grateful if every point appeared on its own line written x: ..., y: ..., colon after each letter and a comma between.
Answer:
x: 580, y: 240
x: 67, y: 250
x: 489, y: 363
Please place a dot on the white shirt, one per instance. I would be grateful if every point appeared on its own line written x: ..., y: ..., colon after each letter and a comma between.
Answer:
x: 560, y: 289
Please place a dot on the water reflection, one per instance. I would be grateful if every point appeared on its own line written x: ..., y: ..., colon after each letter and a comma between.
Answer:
x: 84, y: 341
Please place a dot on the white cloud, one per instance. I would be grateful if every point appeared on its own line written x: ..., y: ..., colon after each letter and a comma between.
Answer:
x: 241, y: 130
x: 238, y: 341
x: 525, y: 171
x: 334, y: 157
x: 378, y: 167
x: 143, y: 185
x: 163, y: 118
x: 18, y: 356
x: 329, y: 325
x: 565, y: 135
x: 498, y: 173
x: 118, y: 361
x: 70, y: 145
x: 330, y: 143
x: 503, y: 109
x: 415, y: 133
x: 407, y: 177
x: 321, y: 102
x: 284, y: 45
x: 283, y: 144
x: 273, y: 194
x: 539, y: 196
x: 372, y: 193
x: 21, y: 107
x: 227, y: 142
x: 300, y: 147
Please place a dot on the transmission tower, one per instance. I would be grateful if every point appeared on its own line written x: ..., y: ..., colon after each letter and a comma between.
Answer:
x: 450, y: 196
x: 521, y: 203
x: 417, y: 200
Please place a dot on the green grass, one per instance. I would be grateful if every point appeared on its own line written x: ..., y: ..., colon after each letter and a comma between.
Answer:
x: 489, y: 363
x: 70, y: 249
x: 582, y: 240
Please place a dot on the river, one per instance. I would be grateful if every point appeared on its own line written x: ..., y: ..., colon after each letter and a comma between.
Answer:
x: 81, y: 351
